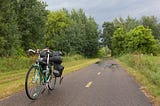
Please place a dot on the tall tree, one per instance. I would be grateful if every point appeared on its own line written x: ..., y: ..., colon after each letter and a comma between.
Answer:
x: 32, y: 17
x: 128, y: 23
x: 152, y: 23
x: 80, y: 20
x: 86, y: 33
x: 108, y: 30
x: 118, y: 39
x: 57, y: 24
x: 9, y: 34
x: 91, y: 37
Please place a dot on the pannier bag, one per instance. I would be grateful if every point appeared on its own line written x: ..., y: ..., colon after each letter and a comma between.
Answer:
x: 43, y: 54
x: 58, y: 69
x: 54, y: 59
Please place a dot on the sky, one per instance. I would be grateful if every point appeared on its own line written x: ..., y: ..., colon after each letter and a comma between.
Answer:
x: 107, y: 10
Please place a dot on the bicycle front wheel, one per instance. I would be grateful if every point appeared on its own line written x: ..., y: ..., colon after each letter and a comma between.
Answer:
x: 33, y: 83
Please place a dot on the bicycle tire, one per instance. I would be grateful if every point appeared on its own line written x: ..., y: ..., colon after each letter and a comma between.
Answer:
x: 36, y: 79
x: 52, y: 82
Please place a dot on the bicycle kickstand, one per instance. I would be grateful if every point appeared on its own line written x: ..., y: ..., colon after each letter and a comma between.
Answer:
x: 61, y: 78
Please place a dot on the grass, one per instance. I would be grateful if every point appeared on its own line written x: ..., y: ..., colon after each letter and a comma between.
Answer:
x: 11, y: 64
x: 145, y: 69
x: 13, y: 81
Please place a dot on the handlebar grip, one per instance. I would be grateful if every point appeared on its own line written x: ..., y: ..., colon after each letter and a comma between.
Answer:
x: 31, y: 52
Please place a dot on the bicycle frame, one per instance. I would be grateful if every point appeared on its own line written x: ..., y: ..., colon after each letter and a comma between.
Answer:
x: 44, y: 73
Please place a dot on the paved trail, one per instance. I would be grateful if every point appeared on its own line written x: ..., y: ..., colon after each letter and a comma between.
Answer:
x: 96, y: 85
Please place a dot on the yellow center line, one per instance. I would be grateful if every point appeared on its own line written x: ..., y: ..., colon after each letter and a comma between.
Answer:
x: 88, y: 85
x: 98, y: 73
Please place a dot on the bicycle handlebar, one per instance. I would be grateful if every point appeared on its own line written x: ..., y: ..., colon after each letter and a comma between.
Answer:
x: 38, y: 51
x: 31, y: 51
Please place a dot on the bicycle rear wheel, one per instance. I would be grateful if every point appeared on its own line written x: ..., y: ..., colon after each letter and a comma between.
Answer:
x: 33, y: 83
x: 52, y: 82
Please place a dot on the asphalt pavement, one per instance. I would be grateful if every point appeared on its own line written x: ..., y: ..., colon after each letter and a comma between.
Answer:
x: 102, y: 84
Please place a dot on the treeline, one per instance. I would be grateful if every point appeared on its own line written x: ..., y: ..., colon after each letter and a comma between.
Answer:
x: 130, y: 35
x: 27, y: 24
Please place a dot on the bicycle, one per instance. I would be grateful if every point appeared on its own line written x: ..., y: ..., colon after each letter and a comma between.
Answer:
x: 40, y: 76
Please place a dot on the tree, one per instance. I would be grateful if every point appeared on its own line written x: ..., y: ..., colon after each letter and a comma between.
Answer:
x: 152, y: 23
x: 91, y: 38
x: 79, y: 41
x: 57, y: 24
x: 131, y: 23
x: 85, y: 34
x: 32, y: 17
x: 110, y: 27
x: 139, y: 39
x: 72, y: 32
x: 108, y: 30
x: 9, y: 33
x: 128, y: 23
x: 118, y: 43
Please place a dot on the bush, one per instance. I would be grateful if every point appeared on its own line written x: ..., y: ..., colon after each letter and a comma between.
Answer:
x: 103, y: 52
x: 139, y: 40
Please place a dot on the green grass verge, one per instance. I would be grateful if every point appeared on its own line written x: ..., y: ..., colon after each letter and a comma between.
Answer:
x: 13, y: 81
x: 145, y: 69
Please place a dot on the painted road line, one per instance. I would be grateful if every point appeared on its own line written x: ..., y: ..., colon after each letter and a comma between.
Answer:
x: 98, y: 73
x: 88, y: 85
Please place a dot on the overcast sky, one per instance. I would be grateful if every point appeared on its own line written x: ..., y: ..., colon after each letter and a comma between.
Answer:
x: 107, y: 10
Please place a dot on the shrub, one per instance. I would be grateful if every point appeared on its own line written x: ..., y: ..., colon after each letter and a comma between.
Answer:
x: 103, y: 52
x: 139, y: 40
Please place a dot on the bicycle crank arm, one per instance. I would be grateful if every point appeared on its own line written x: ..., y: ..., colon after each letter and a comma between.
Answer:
x: 43, y: 90
x: 46, y: 87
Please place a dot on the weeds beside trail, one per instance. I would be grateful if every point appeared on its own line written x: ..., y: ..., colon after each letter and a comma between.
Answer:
x: 13, y: 71
x: 146, y: 70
